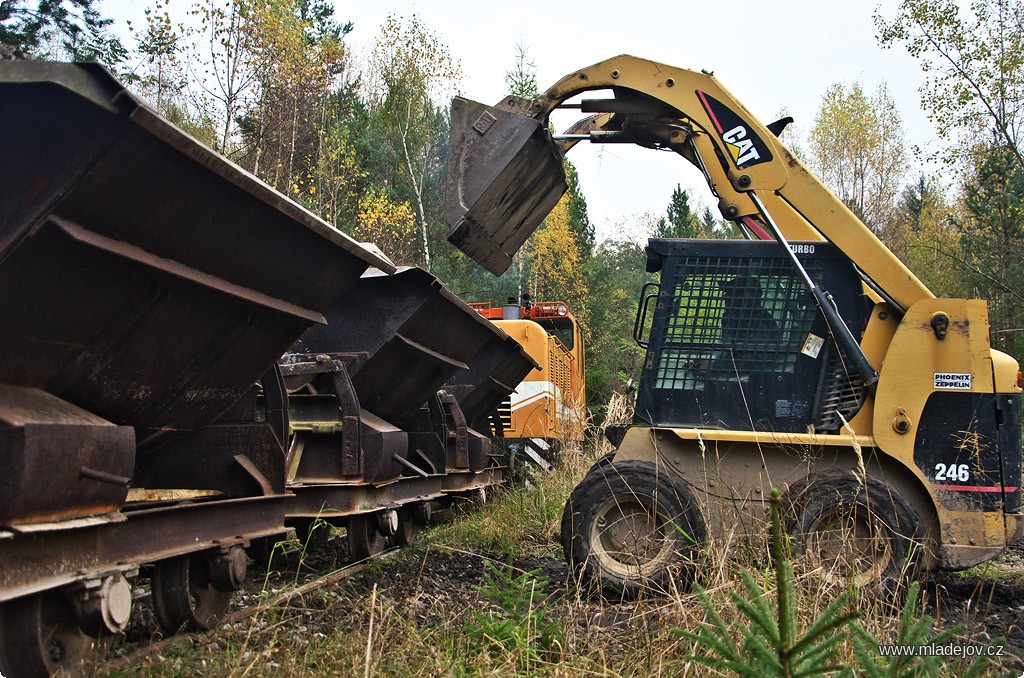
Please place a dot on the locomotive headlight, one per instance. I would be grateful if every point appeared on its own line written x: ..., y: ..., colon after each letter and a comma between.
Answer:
x: 562, y: 309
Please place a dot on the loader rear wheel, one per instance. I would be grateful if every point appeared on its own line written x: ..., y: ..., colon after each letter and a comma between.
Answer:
x: 40, y: 637
x: 184, y: 596
x: 854, y: 531
x: 630, y: 526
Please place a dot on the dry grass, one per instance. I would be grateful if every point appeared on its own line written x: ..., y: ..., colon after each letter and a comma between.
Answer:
x: 417, y: 623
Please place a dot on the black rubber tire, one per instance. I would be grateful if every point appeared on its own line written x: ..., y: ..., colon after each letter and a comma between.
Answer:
x: 885, y: 547
x: 603, y: 512
x: 184, y: 596
x: 39, y: 636
x: 603, y: 461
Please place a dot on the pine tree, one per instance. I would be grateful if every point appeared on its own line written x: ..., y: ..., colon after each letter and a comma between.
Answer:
x: 993, y: 238
x: 680, y: 220
x: 579, y: 220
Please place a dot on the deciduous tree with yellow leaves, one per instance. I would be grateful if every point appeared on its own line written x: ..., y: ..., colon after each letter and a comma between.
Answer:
x: 389, y: 225
x: 555, y: 257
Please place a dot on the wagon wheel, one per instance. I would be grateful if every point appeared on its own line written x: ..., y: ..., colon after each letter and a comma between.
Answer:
x: 265, y: 549
x: 364, y: 539
x: 40, y: 637
x: 183, y: 595
x: 312, y: 533
x: 409, y: 526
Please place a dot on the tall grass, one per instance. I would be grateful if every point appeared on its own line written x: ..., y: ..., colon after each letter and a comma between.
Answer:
x: 509, y: 607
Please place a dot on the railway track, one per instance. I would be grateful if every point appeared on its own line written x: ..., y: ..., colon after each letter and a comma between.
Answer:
x: 145, y: 650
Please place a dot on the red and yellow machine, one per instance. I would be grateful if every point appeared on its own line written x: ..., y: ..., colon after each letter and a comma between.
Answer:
x: 548, y: 406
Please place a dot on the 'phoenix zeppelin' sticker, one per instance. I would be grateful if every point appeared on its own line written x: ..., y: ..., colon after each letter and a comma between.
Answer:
x: 952, y: 381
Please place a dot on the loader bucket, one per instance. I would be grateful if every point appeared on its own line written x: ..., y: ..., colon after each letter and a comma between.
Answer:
x: 143, y: 278
x: 505, y: 175
x: 403, y: 335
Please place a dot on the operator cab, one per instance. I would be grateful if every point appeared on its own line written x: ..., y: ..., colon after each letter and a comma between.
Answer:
x: 737, y: 342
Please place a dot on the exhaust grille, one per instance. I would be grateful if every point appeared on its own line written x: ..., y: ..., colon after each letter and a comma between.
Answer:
x: 842, y: 392
x: 505, y: 414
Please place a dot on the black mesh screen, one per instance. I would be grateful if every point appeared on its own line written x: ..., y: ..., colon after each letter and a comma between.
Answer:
x: 737, y: 341
x: 731, y: 316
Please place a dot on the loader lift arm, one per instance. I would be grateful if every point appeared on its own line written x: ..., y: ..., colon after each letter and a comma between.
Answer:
x: 758, y: 181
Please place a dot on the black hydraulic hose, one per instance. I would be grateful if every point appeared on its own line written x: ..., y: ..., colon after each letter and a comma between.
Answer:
x: 845, y: 337
x: 827, y: 305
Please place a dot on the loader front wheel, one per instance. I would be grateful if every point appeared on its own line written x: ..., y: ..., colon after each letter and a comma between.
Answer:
x: 603, y: 462
x: 630, y: 526
x: 854, y: 530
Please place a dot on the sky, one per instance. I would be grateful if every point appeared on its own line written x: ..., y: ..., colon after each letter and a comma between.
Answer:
x: 770, y: 55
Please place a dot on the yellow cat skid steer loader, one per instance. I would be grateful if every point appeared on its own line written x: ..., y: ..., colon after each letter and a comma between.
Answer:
x: 806, y: 358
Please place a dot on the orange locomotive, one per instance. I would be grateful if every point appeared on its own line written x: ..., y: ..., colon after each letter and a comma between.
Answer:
x: 548, y: 406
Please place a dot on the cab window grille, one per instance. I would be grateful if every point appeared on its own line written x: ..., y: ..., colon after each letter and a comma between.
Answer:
x: 728, y: 317
x: 737, y: 342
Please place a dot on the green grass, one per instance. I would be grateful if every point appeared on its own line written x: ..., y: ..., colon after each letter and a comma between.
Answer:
x: 515, y: 522
x: 502, y: 616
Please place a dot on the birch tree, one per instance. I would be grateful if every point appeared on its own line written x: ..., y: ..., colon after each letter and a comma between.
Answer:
x: 224, y: 63
x: 973, y: 61
x: 411, y: 78
x: 162, y: 76
x: 298, y: 52
x: 857, y: 148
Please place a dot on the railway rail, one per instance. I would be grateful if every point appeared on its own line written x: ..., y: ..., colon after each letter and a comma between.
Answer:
x: 155, y: 647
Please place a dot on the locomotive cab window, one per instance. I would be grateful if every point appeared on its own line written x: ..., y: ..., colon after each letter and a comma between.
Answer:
x: 563, y: 329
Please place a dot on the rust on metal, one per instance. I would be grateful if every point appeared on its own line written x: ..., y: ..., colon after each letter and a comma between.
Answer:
x: 118, y: 232
x: 57, y: 461
x: 505, y: 175
x: 38, y: 560
x: 149, y: 288
x: 494, y: 372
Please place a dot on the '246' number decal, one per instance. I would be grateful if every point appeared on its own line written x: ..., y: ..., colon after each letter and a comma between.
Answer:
x: 957, y: 472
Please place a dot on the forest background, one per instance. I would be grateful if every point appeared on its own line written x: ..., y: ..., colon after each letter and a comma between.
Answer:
x: 361, y: 140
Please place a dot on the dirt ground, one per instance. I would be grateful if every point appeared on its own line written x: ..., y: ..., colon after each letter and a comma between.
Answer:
x: 990, y: 603
x: 430, y: 585
x: 441, y: 579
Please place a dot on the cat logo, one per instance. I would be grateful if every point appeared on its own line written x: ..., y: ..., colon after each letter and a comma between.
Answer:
x: 740, y: 147
x: 745, y: 147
